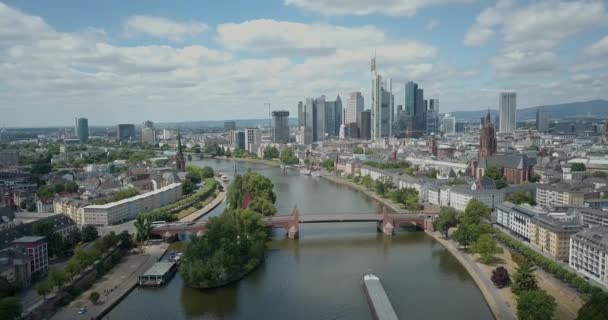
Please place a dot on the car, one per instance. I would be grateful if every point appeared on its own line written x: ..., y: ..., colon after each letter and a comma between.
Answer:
x: 82, y: 310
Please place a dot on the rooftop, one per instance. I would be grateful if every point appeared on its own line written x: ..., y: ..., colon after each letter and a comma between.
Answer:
x: 28, y: 239
x: 159, y: 268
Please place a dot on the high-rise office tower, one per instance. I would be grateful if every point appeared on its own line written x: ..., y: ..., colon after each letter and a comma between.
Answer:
x: 415, y: 121
x: 318, y: 112
x: 333, y: 117
x: 354, y: 105
x: 148, y: 135
x: 382, y: 106
x: 280, y: 126
x: 507, y: 109
x: 364, y: 124
x: 125, y: 132
x: 542, y: 119
x: 432, y: 116
x: 82, y: 129
x: 448, y: 124
x: 301, y: 114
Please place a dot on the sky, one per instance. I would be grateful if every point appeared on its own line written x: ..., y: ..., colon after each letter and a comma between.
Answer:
x: 117, y: 61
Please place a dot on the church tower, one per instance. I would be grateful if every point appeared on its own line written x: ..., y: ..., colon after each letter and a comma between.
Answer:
x: 487, y: 139
x: 180, y: 161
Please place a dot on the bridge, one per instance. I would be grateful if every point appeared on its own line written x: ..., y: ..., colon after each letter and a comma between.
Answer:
x: 385, y: 222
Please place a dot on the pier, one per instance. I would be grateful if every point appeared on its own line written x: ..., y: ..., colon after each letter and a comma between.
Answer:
x: 158, y: 275
x: 379, y: 304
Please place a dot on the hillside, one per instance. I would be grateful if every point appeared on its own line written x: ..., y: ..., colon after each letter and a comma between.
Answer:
x: 596, y: 108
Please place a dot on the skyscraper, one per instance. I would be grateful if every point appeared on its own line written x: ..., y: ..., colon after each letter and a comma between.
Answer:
x: 354, y: 105
x: 280, y: 126
x: 301, y: 114
x: 507, y: 109
x: 382, y: 106
x: 82, y: 129
x: 432, y: 116
x: 364, y: 124
x: 542, y: 119
x: 318, y: 112
x: 148, y: 135
x: 415, y: 120
x: 448, y: 124
x: 125, y: 132
x: 333, y: 117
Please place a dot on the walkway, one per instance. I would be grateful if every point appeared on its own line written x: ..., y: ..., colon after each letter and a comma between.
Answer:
x: 118, y: 282
x: 499, y: 306
x: 207, y: 208
x: 387, y: 202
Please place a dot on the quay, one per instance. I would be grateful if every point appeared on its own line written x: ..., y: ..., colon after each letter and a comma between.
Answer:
x: 380, y: 305
x: 158, y: 274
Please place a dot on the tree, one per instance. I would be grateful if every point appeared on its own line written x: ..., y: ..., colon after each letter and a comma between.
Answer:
x: 7, y: 289
x: 358, y: 150
x: 207, y: 172
x: 409, y: 171
x: 600, y: 174
x: 466, y: 234
x: 519, y: 197
x: 329, y: 165
x: 596, y: 307
x: 45, y: 192
x: 288, y: 157
x: 74, y: 237
x: 475, y: 212
x: 10, y: 308
x: 94, y: 297
x: 262, y: 206
x: 142, y: 228
x: 270, y: 153
x: 486, y: 247
x: 367, y: 181
x: 495, y: 174
x: 535, y: 305
x: 524, y: 279
x: 383, y: 185
x: 254, y: 184
x: 57, y: 277
x: 89, y: 233
x: 43, y: 288
x: 448, y: 218
x: 577, y: 166
x: 500, y: 277
x: 432, y: 173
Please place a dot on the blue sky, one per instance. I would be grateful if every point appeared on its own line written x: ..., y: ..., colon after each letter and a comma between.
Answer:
x: 129, y: 61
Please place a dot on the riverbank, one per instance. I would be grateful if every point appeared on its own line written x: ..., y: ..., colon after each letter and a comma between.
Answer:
x: 259, y: 161
x: 500, y: 307
x: 118, y: 283
x: 219, y: 198
x: 385, y: 201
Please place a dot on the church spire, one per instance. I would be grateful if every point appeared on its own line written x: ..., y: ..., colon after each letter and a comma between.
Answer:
x: 180, y: 161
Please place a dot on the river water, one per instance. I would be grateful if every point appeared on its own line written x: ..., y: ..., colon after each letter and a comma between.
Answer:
x: 319, y: 275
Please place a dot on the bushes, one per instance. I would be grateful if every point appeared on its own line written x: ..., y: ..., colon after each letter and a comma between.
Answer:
x: 552, y: 267
x: 500, y: 277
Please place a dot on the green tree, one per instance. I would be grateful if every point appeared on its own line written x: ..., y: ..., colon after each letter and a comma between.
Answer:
x: 58, y: 277
x: 89, y: 233
x: 432, y: 173
x: 486, y: 247
x: 475, y: 212
x: 262, y: 206
x: 466, y: 234
x: 358, y: 150
x: 288, y: 157
x: 252, y: 183
x: 45, y: 192
x: 524, y: 279
x: 271, y: 152
x: 600, y: 174
x: 207, y: 172
x: 535, y: 305
x: 577, y: 166
x: 383, y: 185
x: 409, y: 171
x: 94, y: 297
x: 329, y: 165
x: 74, y: 237
x: 367, y: 182
x: 10, y: 308
x: 596, y: 308
x: 43, y: 288
x: 495, y: 174
x: 519, y: 197
x: 448, y: 218
x: 7, y: 289
x: 142, y: 228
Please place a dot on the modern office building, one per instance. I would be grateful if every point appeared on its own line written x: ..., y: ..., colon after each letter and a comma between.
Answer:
x: 589, y: 253
x: 229, y: 125
x: 125, y: 132
x: 333, y: 117
x: 364, y: 125
x: 354, y: 105
x: 415, y: 110
x: 318, y: 114
x: 301, y: 114
x: 37, y: 250
x: 237, y: 139
x: 148, y: 135
x: 280, y: 126
x: 253, y: 138
x: 432, y: 116
x: 448, y: 124
x: 542, y: 119
x: 82, y: 129
x: 382, y: 106
x: 507, y: 110
x: 128, y: 209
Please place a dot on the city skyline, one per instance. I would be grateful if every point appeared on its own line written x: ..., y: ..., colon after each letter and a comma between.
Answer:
x: 70, y: 59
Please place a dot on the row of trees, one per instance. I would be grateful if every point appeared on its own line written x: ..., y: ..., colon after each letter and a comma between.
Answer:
x: 58, y: 245
x: 385, y: 187
x: 235, y: 241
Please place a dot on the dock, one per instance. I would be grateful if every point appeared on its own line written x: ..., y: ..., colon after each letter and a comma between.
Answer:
x: 379, y: 304
x: 158, y: 275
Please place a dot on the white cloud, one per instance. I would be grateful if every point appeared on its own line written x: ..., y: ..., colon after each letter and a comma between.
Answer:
x: 598, y: 49
x: 477, y: 36
x: 522, y: 62
x: 482, y: 30
x: 164, y: 28
x: 288, y: 38
x: 366, y: 7
x: 432, y: 24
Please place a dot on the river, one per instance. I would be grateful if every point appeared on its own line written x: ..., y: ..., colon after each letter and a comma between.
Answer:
x: 319, y: 275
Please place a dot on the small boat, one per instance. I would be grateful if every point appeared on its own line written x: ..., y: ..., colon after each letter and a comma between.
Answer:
x: 225, y: 178
x: 305, y: 172
x: 316, y: 173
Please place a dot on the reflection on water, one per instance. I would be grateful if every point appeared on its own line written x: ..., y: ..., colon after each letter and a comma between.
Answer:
x: 318, y: 276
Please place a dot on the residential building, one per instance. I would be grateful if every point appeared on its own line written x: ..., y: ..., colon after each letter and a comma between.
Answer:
x: 280, y: 126
x: 229, y: 125
x: 448, y: 124
x: 557, y: 195
x: 253, y: 138
x: 36, y: 249
x: 542, y: 119
x: 589, y: 253
x: 593, y: 217
x: 507, y: 110
x: 71, y: 208
x: 82, y: 129
x: 354, y: 106
x: 128, y: 209
x: 125, y: 132
x: 458, y: 197
x: 9, y: 158
x: 364, y: 124
x: 551, y: 234
x: 515, y: 218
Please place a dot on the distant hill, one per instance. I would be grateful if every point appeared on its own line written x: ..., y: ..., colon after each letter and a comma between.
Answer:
x: 595, y: 108
x: 245, y: 123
